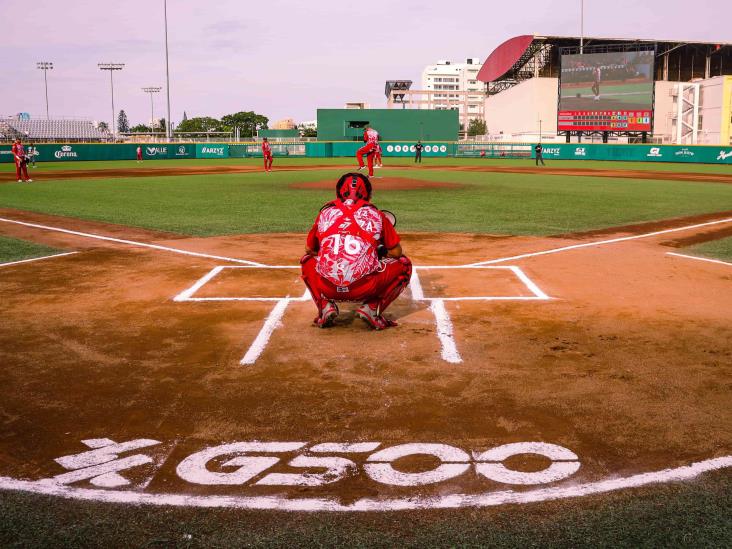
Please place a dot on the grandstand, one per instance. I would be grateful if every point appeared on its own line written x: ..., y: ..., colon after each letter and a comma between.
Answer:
x: 39, y: 130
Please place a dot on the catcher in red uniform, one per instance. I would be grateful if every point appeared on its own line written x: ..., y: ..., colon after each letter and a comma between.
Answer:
x: 354, y: 254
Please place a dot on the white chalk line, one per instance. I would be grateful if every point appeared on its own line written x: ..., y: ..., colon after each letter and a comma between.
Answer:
x: 132, y: 243
x: 443, y: 324
x: 597, y: 243
x: 452, y: 501
x: 706, y: 259
x: 36, y: 259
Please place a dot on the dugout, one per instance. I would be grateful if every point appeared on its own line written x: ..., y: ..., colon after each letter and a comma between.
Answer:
x: 392, y: 124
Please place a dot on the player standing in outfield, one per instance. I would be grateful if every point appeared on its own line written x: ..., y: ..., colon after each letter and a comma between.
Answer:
x: 267, y: 154
x: 539, y: 150
x: 21, y: 162
x: 354, y: 253
x: 418, y: 152
x: 32, y: 152
x: 139, y: 153
x: 597, y: 73
x: 377, y: 152
x: 371, y: 138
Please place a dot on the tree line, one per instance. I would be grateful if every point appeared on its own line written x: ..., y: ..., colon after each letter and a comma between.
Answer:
x: 248, y: 122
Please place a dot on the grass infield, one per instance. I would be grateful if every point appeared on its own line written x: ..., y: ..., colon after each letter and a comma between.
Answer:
x: 12, y: 249
x: 221, y: 204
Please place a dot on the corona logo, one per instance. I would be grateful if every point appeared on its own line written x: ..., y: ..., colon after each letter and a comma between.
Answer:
x: 65, y: 152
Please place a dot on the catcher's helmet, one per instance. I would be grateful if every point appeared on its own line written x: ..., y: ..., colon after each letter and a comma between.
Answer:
x: 354, y: 186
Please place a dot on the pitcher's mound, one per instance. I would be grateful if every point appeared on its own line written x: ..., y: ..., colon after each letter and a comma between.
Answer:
x: 382, y: 184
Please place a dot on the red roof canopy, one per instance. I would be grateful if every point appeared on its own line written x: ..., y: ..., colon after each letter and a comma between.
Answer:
x: 504, y: 57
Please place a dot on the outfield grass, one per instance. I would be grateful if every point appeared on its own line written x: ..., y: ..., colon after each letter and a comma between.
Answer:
x: 389, y: 161
x: 716, y: 249
x: 12, y: 249
x: 690, y: 514
x: 259, y: 203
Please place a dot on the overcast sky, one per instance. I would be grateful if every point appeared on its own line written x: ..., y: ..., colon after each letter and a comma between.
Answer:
x: 286, y: 58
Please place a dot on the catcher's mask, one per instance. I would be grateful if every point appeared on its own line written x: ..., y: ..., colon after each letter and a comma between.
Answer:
x: 354, y: 186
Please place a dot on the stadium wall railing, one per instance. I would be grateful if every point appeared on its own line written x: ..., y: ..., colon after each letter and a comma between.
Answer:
x: 63, y: 152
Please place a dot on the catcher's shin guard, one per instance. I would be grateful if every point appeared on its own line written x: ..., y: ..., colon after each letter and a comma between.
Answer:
x: 395, y: 287
x: 310, y: 278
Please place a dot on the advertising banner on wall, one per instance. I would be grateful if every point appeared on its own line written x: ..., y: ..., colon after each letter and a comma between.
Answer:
x: 212, y: 150
x: 407, y: 149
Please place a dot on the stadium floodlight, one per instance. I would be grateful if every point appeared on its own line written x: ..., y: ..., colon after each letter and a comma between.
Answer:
x: 397, y: 86
x: 45, y: 66
x: 169, y: 124
x: 111, y: 67
x: 151, y: 91
x: 582, y: 27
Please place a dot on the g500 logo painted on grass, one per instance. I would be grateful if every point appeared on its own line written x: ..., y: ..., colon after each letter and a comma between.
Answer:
x: 249, y: 463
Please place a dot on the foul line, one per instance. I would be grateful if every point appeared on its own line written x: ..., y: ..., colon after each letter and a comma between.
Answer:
x: 597, y: 243
x: 692, y: 257
x: 444, y: 332
x: 270, y: 325
x: 132, y: 242
x: 36, y: 259
x: 485, y: 499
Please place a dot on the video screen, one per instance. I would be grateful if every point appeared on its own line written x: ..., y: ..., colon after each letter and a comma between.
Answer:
x: 606, y: 92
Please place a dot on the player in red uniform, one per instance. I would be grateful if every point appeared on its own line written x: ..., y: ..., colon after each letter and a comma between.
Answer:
x: 21, y: 162
x: 139, y: 153
x: 377, y: 153
x: 267, y: 154
x: 354, y: 254
x: 371, y: 138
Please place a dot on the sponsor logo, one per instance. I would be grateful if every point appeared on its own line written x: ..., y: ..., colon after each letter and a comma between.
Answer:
x: 428, y: 148
x: 684, y: 152
x: 550, y: 150
x: 390, y: 148
x: 66, y: 152
x: 724, y: 155
x: 219, y: 151
x: 580, y: 151
x: 154, y: 151
x: 248, y: 464
x: 182, y: 151
x: 398, y: 148
x: 443, y: 148
x: 655, y: 152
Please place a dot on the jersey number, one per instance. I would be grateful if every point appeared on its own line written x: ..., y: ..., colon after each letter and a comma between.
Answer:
x: 351, y: 244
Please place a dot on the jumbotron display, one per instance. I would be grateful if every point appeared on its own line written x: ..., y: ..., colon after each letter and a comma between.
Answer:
x: 610, y: 91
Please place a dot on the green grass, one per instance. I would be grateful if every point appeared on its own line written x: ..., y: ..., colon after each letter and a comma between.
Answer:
x: 12, y: 249
x: 390, y: 161
x: 691, y: 514
x: 716, y: 249
x: 259, y: 202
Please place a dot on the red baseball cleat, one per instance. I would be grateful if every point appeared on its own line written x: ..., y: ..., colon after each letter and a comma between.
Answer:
x: 375, y: 321
x: 327, y: 315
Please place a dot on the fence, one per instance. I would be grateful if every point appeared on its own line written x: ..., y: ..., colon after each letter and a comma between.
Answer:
x: 61, y: 152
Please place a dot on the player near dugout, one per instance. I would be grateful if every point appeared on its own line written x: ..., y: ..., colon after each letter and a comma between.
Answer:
x: 353, y: 253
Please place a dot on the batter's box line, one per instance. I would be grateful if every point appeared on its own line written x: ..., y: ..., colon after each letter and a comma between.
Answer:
x: 443, y: 322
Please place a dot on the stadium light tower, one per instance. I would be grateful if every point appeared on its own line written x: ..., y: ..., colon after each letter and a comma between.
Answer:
x: 111, y: 67
x: 582, y: 27
x: 169, y: 123
x: 151, y: 91
x: 45, y: 66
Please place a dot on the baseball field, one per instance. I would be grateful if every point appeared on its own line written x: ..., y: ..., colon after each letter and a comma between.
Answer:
x: 560, y: 375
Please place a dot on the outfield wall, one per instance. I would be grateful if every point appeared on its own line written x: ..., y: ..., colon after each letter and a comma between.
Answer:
x: 65, y: 152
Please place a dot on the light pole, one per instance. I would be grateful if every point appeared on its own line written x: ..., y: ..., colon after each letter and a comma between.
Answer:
x: 111, y: 67
x: 582, y: 27
x: 168, y: 125
x: 151, y: 91
x: 45, y: 66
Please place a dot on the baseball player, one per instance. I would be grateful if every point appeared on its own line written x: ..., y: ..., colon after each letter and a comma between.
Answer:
x: 267, y: 154
x: 597, y: 73
x: 21, y: 162
x: 418, y: 152
x: 371, y: 138
x: 139, y: 153
x: 377, y: 152
x: 354, y: 253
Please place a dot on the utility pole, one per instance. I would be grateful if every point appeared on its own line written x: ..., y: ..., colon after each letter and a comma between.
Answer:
x: 45, y: 66
x: 151, y: 91
x: 169, y: 124
x: 111, y: 67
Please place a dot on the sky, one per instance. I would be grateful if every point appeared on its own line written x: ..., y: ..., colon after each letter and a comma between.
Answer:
x: 286, y: 58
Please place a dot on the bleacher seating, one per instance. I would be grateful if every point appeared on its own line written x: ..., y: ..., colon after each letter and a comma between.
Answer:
x: 48, y: 130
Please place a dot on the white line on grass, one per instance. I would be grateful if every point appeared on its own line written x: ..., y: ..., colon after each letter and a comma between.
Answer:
x: 598, y: 243
x: 36, y: 259
x: 444, y: 332
x: 700, y: 258
x: 452, y: 501
x: 132, y: 242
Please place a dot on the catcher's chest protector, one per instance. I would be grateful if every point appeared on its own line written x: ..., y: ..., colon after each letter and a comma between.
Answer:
x: 348, y: 240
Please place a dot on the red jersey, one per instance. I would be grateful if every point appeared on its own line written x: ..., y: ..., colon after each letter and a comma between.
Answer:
x: 18, y: 151
x: 347, y: 249
x: 371, y: 136
x: 266, y: 149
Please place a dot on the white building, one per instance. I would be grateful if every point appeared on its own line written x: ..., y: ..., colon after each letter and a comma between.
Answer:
x: 450, y: 78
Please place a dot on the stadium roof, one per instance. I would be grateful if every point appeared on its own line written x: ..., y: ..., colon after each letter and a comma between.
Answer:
x: 529, y: 55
